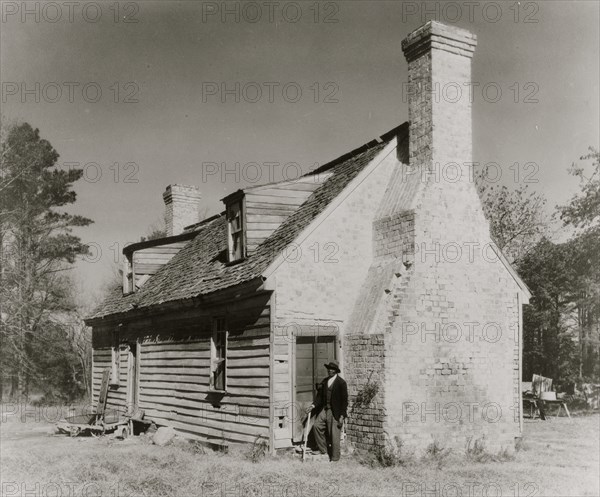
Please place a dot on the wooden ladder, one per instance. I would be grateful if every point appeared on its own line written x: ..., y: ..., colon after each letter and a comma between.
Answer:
x: 101, y: 407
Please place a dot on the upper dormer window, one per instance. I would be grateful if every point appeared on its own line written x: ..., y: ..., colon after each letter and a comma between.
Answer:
x: 235, y: 229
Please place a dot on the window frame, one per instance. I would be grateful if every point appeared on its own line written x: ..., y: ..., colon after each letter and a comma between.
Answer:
x: 219, y: 339
x: 232, y: 255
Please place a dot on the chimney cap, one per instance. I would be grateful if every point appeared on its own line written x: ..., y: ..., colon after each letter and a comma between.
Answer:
x: 440, y: 36
x: 192, y: 192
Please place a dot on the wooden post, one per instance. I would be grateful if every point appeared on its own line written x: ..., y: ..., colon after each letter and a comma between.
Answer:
x: 306, y: 432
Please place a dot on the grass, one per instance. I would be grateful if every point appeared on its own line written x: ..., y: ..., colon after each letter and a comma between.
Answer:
x: 556, y: 458
x: 391, y: 454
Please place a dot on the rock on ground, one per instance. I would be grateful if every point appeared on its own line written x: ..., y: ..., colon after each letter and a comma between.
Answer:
x: 163, y: 436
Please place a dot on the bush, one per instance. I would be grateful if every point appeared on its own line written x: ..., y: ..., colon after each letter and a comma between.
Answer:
x: 366, y: 394
x: 505, y: 455
x: 259, y: 450
x: 390, y: 454
x: 436, y: 453
x: 476, y: 452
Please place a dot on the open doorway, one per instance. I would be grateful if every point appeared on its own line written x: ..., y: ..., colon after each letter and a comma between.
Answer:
x: 133, y: 374
x: 312, y: 353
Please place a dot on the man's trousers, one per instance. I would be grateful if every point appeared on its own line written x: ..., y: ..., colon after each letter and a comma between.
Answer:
x: 326, y: 430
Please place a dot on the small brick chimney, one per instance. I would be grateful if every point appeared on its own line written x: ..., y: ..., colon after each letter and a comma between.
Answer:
x: 182, y: 204
x: 438, y: 89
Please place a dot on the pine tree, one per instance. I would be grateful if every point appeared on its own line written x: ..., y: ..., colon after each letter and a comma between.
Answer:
x: 36, y: 247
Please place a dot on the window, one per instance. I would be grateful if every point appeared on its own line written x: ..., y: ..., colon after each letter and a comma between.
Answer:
x: 218, y: 356
x: 236, y: 230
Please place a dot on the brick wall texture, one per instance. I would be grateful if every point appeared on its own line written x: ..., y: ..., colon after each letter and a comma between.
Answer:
x: 365, y: 372
x: 182, y: 207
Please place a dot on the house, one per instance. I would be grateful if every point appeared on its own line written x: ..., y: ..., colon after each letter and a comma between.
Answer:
x: 381, y: 259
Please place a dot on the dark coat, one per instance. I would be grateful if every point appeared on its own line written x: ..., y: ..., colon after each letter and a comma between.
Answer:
x: 339, y: 397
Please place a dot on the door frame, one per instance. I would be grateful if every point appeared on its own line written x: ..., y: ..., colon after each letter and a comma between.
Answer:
x: 133, y: 379
x: 330, y: 329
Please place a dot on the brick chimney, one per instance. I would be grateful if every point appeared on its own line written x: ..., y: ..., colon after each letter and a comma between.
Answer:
x: 182, y: 204
x: 439, y: 91
x: 427, y: 338
x: 439, y: 103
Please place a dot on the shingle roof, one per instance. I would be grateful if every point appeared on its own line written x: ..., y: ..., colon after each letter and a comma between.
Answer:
x: 200, y: 267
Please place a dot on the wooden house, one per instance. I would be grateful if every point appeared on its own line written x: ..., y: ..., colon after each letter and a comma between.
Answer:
x: 221, y: 329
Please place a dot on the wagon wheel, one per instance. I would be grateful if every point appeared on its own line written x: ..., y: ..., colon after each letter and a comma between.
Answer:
x: 74, y: 431
x: 124, y: 432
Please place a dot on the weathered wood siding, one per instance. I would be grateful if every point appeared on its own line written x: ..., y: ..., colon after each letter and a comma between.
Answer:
x: 174, y: 371
x: 149, y: 260
x: 285, y: 412
x: 117, y: 396
x: 270, y: 205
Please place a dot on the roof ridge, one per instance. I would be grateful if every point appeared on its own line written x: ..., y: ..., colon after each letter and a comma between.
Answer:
x: 201, y: 224
x: 273, y: 183
x: 385, y: 137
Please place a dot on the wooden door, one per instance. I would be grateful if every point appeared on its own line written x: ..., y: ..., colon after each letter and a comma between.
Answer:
x: 132, y: 377
x: 312, y: 353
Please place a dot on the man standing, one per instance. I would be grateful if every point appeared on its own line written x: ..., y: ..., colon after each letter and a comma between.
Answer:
x: 330, y: 407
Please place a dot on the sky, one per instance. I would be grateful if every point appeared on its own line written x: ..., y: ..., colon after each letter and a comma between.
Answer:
x: 226, y: 94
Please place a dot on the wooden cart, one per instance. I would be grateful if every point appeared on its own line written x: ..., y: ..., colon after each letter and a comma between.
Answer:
x: 103, y: 421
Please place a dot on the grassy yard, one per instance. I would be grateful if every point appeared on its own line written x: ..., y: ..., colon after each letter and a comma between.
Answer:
x: 557, y: 457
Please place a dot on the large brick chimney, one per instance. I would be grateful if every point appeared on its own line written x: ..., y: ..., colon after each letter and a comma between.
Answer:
x: 446, y: 350
x: 438, y: 90
x: 182, y: 207
x: 443, y: 381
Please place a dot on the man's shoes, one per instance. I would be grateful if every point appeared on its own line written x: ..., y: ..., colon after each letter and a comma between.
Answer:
x: 315, y: 452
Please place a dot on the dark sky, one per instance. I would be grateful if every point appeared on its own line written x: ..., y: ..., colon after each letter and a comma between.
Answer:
x: 170, y: 61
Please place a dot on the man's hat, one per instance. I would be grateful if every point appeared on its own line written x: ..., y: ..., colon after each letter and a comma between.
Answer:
x: 333, y: 365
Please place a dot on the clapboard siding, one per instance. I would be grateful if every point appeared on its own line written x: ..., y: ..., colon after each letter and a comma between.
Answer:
x: 254, y: 416
x: 282, y: 374
x: 174, y: 370
x: 163, y: 387
x: 198, y: 428
x: 117, y: 396
x: 160, y: 254
x: 194, y: 348
x: 270, y: 205
x: 148, y: 261
x: 283, y: 409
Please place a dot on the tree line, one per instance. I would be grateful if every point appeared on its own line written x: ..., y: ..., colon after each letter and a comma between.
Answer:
x: 561, y: 324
